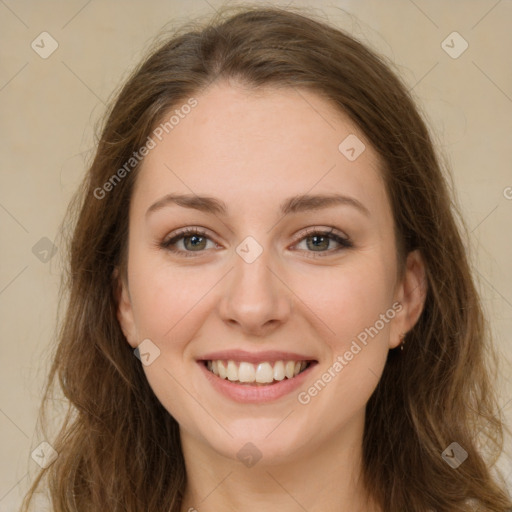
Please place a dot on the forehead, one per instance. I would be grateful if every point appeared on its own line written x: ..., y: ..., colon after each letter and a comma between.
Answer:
x: 252, y: 148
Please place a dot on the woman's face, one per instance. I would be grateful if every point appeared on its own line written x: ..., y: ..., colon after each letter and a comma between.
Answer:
x: 265, y: 288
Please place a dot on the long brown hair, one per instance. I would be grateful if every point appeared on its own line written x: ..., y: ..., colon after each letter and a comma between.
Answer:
x: 119, y: 449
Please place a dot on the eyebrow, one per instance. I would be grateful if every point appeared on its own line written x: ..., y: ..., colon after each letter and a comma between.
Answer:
x: 295, y: 204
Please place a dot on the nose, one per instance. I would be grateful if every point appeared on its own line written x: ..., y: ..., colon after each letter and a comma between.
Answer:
x: 255, y: 298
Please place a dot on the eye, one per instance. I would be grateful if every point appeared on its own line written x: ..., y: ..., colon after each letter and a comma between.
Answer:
x: 195, y: 241
x: 318, y: 239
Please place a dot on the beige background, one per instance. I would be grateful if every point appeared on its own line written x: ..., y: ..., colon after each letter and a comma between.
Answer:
x: 49, y: 108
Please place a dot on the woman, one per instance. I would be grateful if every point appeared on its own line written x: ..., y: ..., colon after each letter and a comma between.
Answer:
x: 270, y: 302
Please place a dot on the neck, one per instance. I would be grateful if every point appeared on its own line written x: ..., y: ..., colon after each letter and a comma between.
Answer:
x: 318, y: 477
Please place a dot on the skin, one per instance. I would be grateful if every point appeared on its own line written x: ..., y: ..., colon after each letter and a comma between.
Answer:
x: 253, y: 149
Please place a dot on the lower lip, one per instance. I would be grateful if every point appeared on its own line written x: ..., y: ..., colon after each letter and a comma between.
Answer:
x: 245, y: 393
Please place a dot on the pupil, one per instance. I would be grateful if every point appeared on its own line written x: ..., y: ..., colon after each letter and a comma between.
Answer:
x: 316, y: 238
x: 195, y: 240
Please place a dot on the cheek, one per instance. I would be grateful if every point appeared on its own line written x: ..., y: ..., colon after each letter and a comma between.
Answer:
x: 352, y: 304
x: 173, y: 388
x: 165, y: 298
x: 348, y: 299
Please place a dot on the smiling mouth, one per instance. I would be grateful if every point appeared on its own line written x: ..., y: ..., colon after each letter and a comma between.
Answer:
x: 262, y: 374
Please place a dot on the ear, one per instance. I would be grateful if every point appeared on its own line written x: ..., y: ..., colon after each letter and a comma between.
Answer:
x: 124, y: 309
x: 411, y: 294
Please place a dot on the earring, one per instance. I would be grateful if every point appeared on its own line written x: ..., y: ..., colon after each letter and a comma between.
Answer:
x: 402, y: 340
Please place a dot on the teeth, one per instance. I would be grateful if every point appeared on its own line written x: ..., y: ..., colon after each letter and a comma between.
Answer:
x: 279, y: 370
x: 289, y: 369
x: 263, y: 373
x: 232, y: 371
x: 246, y: 373
x: 221, y: 370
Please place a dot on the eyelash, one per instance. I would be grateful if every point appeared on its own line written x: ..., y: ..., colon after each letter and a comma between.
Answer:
x: 345, y: 243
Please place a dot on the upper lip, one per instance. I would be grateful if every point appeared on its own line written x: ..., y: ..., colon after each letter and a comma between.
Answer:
x: 255, y: 357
